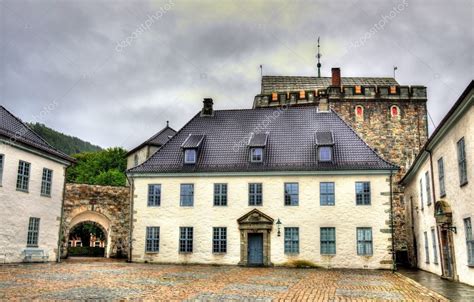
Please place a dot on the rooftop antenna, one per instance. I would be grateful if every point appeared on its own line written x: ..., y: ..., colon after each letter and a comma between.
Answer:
x: 318, y: 56
x: 394, y: 70
x: 261, y: 76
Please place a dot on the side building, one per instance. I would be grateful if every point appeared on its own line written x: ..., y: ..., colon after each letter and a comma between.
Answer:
x: 32, y: 176
x: 440, y: 196
x: 264, y: 187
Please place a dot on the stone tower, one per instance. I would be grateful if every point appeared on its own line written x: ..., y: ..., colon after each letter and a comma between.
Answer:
x: 391, y: 118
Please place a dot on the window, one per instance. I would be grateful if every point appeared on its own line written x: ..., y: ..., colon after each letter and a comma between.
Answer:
x: 291, y: 194
x: 256, y: 155
x: 23, y: 179
x: 190, y: 156
x: 187, y: 195
x: 421, y: 194
x: 219, y: 240
x: 325, y: 153
x: 326, y: 194
x: 255, y: 194
x: 292, y: 241
x: 395, y: 112
x: 328, y: 241
x: 46, y: 182
x: 33, y: 232
x: 1, y: 167
x: 220, y: 194
x: 433, y: 241
x: 359, y: 112
x: 363, y: 193
x: 442, y: 188
x: 152, y: 239
x: 154, y: 195
x: 364, y: 241
x: 135, y: 160
x: 469, y: 241
x: 428, y: 188
x: 427, y: 248
x: 185, y: 239
x: 462, y: 165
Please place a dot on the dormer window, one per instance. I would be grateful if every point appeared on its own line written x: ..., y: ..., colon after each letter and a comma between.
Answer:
x: 256, y: 155
x: 325, y: 145
x: 190, y: 156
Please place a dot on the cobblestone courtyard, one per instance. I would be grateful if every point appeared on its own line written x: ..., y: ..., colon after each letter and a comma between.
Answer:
x: 74, y: 280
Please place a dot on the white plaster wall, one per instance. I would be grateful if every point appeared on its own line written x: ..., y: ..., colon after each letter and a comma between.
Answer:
x: 309, y: 216
x: 461, y: 199
x: 18, y: 207
x: 142, y: 156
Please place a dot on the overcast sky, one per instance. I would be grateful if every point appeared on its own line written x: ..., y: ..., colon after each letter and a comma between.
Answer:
x: 112, y: 72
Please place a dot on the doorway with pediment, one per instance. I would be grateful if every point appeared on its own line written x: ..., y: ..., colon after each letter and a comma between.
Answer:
x: 255, y: 239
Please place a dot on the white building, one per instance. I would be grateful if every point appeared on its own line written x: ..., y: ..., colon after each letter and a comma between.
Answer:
x: 32, y: 175
x: 263, y: 187
x: 440, y: 195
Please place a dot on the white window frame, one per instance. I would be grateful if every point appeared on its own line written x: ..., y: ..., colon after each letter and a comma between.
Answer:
x: 190, y: 159
x: 23, y: 177
x: 46, y: 182
x: 256, y: 155
x: 328, y: 150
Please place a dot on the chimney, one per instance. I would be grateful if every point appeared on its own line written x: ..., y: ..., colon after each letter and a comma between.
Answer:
x: 336, y: 76
x: 207, y: 109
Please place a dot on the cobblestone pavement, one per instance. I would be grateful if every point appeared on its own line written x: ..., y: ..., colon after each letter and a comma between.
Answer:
x: 119, y: 280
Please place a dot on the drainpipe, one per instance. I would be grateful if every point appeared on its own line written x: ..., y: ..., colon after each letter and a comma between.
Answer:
x: 130, y: 247
x: 394, y: 264
x: 58, y: 256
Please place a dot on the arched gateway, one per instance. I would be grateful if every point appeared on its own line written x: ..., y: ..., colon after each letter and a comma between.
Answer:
x: 105, y: 207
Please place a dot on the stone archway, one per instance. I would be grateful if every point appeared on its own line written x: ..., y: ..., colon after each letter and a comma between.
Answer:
x: 255, y: 230
x: 97, y: 218
x: 444, y: 221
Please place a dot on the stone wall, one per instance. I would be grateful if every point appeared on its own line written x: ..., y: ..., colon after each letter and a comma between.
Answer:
x: 108, y: 206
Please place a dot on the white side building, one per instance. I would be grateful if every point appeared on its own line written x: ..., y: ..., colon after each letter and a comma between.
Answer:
x: 32, y: 176
x: 439, y: 194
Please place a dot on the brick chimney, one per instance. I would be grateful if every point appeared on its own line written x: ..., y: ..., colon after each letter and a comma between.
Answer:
x: 336, y: 76
x: 207, y: 109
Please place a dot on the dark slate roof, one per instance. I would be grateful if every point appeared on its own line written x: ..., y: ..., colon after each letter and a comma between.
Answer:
x: 258, y: 140
x: 324, y: 138
x: 193, y: 141
x: 16, y: 131
x: 295, y: 83
x: 290, y: 145
x: 156, y: 140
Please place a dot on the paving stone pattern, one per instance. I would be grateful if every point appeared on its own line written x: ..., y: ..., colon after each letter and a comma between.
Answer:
x: 119, y: 280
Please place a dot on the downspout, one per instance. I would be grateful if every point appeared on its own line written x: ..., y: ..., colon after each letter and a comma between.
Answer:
x: 58, y: 256
x: 394, y: 264
x: 130, y: 238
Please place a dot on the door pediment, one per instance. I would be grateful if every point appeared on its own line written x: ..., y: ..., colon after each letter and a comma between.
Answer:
x: 255, y: 217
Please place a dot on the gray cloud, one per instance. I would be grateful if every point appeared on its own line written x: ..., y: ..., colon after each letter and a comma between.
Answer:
x: 67, y: 52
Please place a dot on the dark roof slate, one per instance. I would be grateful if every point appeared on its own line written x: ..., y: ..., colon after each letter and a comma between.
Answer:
x: 16, y: 131
x: 290, y: 145
x: 324, y: 138
x: 193, y: 141
x: 157, y: 140
x: 258, y: 140
x: 296, y: 83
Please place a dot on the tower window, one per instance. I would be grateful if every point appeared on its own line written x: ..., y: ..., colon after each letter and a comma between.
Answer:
x: 359, y: 112
x: 395, y: 112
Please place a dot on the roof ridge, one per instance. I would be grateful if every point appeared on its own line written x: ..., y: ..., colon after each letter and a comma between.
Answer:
x: 159, y: 132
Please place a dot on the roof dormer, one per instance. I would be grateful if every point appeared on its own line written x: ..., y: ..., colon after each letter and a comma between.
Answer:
x: 257, y: 143
x: 324, y: 141
x: 191, y: 147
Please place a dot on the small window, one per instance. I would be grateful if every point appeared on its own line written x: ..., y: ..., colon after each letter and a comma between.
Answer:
x: 363, y: 193
x: 187, y: 195
x: 395, y: 112
x: 421, y: 194
x: 292, y: 241
x: 328, y: 241
x: 220, y: 194
x: 326, y: 194
x: 325, y: 153
x: 219, y: 240
x: 358, y: 89
x: 364, y: 241
x: 428, y: 188
x: 154, y: 195
x: 469, y: 241
x: 152, y: 239
x: 46, y: 182
x: 23, y: 179
x: 291, y: 194
x: 462, y: 164
x: 256, y: 155
x: 359, y: 113
x: 185, y: 239
x: 33, y: 232
x: 255, y: 194
x: 190, y: 156
x: 1, y: 168
x: 433, y: 241
x: 442, y: 187
x: 135, y: 160
x: 427, y: 248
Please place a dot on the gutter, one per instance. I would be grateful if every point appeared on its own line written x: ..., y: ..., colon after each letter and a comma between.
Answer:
x: 130, y: 236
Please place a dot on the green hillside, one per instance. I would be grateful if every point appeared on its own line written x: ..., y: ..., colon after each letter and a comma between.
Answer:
x: 68, y: 144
